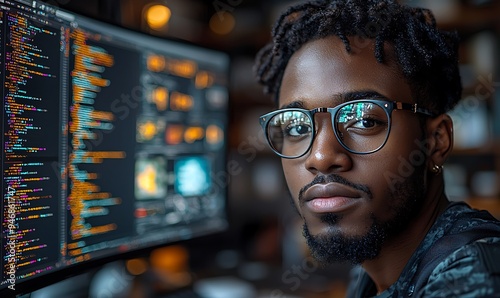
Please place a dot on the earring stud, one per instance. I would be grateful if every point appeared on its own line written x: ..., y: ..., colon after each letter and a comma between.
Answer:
x: 437, y: 169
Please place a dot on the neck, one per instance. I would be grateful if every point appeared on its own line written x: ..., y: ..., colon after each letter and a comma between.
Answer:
x: 396, y: 252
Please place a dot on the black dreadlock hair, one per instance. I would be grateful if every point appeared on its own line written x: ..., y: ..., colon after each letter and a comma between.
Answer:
x: 427, y: 57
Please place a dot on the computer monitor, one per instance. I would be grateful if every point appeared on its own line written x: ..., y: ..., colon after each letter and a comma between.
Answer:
x: 112, y: 140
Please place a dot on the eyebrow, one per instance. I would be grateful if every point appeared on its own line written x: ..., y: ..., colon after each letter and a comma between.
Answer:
x: 340, y: 98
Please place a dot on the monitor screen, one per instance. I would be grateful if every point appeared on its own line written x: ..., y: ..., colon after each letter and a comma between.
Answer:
x: 111, y: 142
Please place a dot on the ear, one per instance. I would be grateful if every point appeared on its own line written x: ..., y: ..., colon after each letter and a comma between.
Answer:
x: 440, y: 139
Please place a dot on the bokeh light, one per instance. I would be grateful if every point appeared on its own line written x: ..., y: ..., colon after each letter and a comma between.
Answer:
x: 157, y: 16
x: 222, y: 24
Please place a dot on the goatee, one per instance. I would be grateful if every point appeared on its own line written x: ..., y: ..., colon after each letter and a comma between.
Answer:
x: 336, y: 247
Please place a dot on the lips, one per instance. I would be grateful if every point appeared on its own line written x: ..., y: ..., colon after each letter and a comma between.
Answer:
x: 330, y: 198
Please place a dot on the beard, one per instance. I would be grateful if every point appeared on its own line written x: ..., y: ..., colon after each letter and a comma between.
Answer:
x: 336, y: 247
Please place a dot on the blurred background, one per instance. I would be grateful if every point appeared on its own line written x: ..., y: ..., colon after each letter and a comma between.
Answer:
x: 263, y: 254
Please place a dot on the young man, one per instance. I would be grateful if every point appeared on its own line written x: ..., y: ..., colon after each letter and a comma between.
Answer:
x: 363, y: 88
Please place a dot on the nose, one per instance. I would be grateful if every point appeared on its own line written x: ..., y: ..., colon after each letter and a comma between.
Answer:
x: 327, y: 155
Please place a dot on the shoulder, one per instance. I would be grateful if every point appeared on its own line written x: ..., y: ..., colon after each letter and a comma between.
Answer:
x: 470, y: 271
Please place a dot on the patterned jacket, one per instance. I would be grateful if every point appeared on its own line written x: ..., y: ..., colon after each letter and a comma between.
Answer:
x: 459, y: 257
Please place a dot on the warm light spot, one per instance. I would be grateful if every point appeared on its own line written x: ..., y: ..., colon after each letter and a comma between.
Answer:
x: 181, y: 102
x: 222, y: 24
x: 214, y: 134
x: 147, y: 131
x: 182, y: 68
x: 156, y: 63
x: 137, y: 266
x: 174, y: 134
x: 193, y: 134
x: 171, y: 263
x: 160, y: 98
x: 140, y: 212
x: 146, y: 180
x: 172, y: 259
x: 204, y: 80
x: 157, y: 16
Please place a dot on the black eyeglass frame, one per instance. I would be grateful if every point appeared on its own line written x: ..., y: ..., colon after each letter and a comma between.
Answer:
x: 387, y: 105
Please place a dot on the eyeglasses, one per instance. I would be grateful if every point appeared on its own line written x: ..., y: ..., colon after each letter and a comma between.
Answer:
x: 360, y: 126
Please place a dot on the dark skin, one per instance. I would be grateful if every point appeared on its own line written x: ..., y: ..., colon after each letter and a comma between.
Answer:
x: 322, y: 74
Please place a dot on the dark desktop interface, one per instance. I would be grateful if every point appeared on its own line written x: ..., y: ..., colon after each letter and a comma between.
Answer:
x: 110, y: 139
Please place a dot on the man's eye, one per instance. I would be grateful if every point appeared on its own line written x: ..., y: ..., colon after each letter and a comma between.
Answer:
x: 365, y: 123
x: 297, y: 130
x: 368, y: 122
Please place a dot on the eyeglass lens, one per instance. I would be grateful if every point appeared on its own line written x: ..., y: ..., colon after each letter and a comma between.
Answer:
x: 361, y: 127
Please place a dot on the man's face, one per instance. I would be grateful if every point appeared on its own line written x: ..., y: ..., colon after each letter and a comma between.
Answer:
x: 351, y: 204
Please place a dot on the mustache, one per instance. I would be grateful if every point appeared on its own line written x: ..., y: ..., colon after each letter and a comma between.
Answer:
x: 323, y: 179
